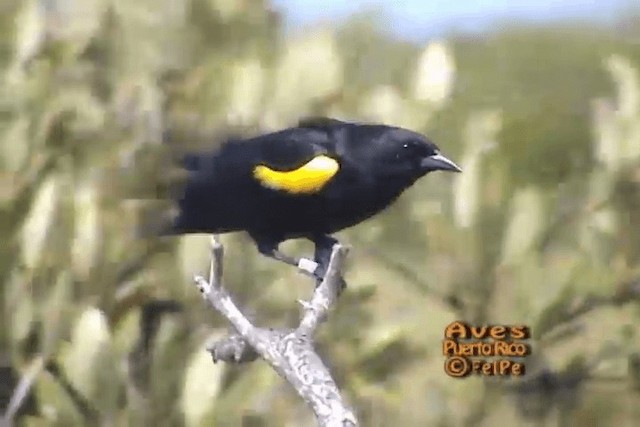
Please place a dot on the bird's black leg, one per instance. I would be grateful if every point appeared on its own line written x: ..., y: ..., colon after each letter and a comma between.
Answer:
x: 324, y: 248
x: 270, y: 249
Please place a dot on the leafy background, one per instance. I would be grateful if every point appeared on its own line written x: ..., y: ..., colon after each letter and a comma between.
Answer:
x: 541, y: 228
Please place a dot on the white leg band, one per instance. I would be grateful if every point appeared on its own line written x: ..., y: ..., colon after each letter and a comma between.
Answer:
x: 307, y: 265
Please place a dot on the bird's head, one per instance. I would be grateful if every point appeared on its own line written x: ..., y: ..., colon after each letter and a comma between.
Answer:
x: 402, y: 154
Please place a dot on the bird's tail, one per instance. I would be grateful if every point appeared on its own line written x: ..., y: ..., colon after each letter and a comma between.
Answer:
x: 152, y: 181
x: 158, y: 177
x: 155, y: 222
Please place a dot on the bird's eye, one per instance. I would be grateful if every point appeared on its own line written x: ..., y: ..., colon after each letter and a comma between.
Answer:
x: 407, y: 151
x: 410, y: 145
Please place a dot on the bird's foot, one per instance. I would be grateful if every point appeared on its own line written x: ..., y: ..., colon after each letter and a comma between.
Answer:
x: 324, y: 248
x: 320, y: 273
x: 312, y: 268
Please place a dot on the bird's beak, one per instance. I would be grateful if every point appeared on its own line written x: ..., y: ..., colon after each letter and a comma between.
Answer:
x: 439, y: 162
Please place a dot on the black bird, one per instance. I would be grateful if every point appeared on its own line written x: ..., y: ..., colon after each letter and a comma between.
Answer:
x: 308, y: 181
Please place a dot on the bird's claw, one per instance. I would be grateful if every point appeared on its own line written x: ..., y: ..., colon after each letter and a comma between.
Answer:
x: 320, y: 274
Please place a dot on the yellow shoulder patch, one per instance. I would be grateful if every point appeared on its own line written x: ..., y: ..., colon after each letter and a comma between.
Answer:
x: 307, y: 179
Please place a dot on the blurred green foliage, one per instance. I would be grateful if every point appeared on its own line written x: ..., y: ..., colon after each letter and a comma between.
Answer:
x: 541, y: 228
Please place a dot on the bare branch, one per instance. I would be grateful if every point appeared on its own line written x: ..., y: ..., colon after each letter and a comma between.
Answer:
x: 626, y: 293
x: 22, y: 390
x: 326, y: 294
x: 290, y: 352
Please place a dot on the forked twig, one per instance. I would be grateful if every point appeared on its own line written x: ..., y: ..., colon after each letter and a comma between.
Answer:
x: 290, y: 353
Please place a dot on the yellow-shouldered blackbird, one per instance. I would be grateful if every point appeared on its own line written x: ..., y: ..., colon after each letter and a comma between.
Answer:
x: 308, y: 181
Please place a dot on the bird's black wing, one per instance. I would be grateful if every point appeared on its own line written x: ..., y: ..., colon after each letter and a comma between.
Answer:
x: 319, y: 122
x: 226, y: 185
x: 285, y: 150
x: 298, y: 160
x: 290, y: 148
